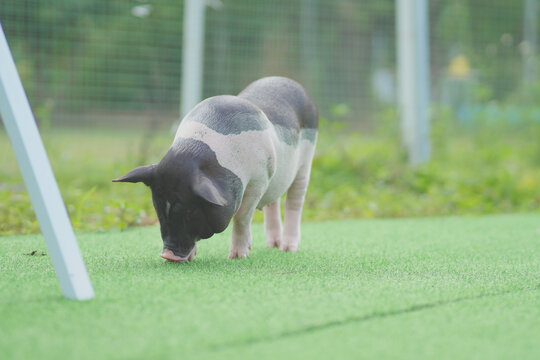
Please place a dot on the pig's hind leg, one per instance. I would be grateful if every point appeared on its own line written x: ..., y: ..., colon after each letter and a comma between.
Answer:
x: 293, y: 210
x: 272, y: 224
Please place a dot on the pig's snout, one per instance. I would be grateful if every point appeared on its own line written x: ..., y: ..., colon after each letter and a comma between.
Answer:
x: 169, y: 255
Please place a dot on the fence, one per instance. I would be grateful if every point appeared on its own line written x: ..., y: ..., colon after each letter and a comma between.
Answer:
x: 101, y: 62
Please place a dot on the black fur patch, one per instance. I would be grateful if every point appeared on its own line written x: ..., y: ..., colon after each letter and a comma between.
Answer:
x: 185, y: 217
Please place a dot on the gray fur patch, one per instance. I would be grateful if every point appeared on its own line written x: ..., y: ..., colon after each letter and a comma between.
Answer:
x: 284, y: 101
x: 288, y: 136
x: 291, y: 136
x: 310, y: 135
x: 228, y: 115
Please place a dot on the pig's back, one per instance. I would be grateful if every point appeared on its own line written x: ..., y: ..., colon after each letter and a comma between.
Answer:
x: 284, y: 101
x: 227, y: 115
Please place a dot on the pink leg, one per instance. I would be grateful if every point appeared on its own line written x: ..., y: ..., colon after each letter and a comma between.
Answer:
x: 241, y: 231
x: 272, y: 224
x: 293, y: 211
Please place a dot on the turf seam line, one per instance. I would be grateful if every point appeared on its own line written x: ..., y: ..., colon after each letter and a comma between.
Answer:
x: 359, y: 319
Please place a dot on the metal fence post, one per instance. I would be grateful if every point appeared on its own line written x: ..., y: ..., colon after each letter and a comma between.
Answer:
x: 192, y: 55
x: 40, y: 182
x: 413, y: 76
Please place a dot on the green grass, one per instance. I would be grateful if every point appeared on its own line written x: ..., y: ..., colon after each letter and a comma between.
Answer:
x: 437, y: 288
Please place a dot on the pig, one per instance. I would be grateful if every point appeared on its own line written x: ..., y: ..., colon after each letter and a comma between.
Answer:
x: 232, y: 155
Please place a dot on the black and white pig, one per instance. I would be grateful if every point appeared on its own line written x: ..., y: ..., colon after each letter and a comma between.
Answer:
x: 230, y: 156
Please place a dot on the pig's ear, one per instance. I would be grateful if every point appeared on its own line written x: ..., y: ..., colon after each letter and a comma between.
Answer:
x: 209, y: 190
x: 143, y: 174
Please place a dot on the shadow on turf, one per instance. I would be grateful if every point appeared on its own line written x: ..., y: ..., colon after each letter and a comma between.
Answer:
x: 358, y: 319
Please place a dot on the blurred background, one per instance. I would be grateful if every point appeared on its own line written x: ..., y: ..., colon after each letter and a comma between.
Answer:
x: 104, y: 79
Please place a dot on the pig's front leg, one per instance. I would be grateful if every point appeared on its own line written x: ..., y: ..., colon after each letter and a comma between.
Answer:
x: 241, y: 231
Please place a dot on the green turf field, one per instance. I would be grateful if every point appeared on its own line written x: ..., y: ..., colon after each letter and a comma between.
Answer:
x: 432, y: 288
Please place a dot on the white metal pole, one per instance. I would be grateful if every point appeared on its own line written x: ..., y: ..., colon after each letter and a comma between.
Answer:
x: 413, y: 77
x: 192, y: 55
x: 40, y: 182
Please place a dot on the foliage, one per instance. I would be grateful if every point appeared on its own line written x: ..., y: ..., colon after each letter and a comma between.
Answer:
x: 84, y: 163
x: 490, y: 166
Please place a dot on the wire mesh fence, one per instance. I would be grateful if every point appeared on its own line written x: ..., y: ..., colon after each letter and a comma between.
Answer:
x: 478, y: 54
x: 118, y: 63
x: 333, y: 48
x: 88, y: 62
x: 97, y: 62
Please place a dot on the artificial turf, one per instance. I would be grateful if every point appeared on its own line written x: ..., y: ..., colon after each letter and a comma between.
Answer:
x: 431, y: 288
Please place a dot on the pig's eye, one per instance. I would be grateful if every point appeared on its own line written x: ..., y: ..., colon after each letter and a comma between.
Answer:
x: 167, y: 208
x: 177, y: 207
x: 174, y: 207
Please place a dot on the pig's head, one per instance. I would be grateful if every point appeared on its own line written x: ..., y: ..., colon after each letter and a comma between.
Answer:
x: 192, y: 201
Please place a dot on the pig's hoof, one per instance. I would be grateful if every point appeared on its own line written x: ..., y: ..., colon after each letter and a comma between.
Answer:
x: 238, y: 254
x: 290, y: 245
x: 273, y: 241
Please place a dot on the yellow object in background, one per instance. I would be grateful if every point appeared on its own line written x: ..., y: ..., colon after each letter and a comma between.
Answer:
x: 459, y: 67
